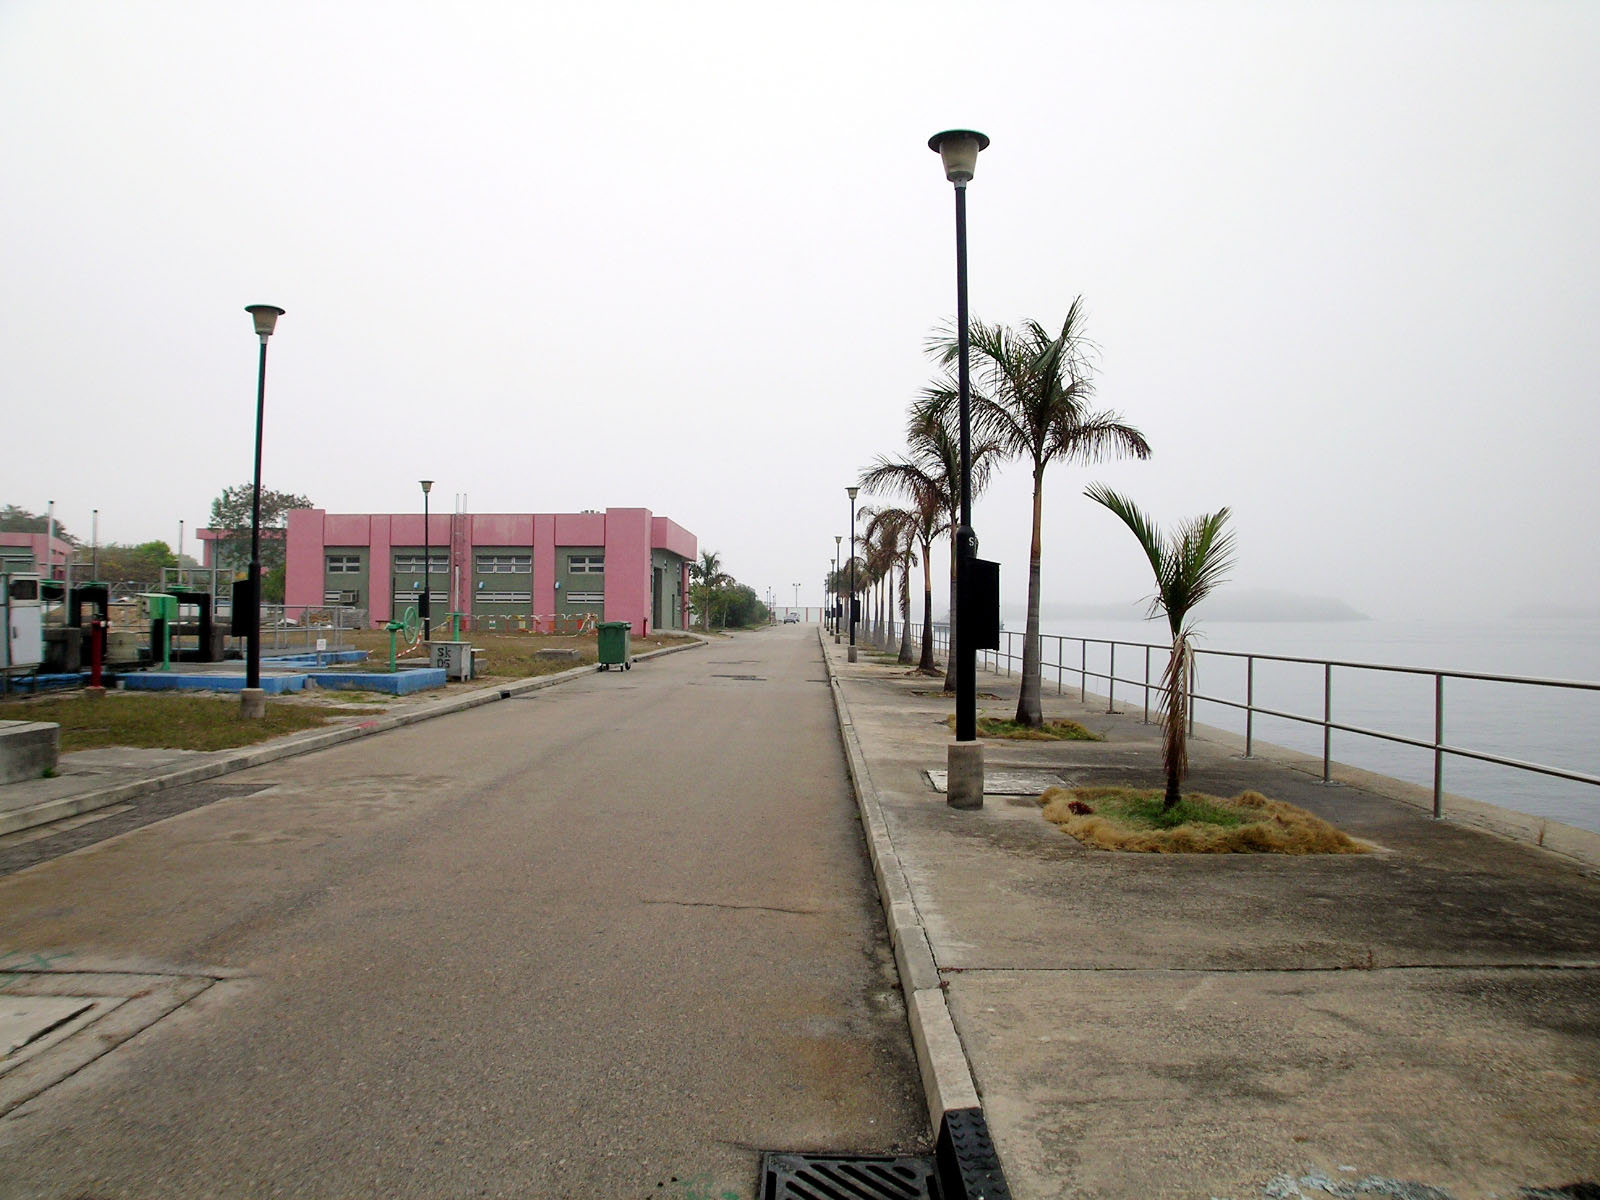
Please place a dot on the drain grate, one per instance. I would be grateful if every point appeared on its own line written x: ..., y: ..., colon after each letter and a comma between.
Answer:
x: 746, y: 678
x: 845, y: 1177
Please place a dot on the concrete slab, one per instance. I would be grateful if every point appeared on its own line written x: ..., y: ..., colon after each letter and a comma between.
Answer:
x: 1194, y: 1083
x: 28, y: 749
x: 1000, y: 781
x: 27, y: 1019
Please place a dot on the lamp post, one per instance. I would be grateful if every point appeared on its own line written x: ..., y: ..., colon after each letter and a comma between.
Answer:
x: 958, y: 150
x: 427, y: 568
x: 852, y: 493
x: 797, y: 599
x: 252, y: 700
x: 837, y: 538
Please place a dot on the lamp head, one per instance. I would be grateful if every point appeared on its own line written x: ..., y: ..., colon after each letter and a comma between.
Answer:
x: 852, y: 491
x: 958, y: 148
x: 837, y: 538
x: 266, y: 318
x: 427, y: 486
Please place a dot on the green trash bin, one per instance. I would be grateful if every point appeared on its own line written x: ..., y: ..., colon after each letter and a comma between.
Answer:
x: 614, y: 637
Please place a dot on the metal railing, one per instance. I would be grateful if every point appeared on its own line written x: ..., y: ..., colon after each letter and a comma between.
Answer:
x: 1008, y: 659
x: 290, y: 627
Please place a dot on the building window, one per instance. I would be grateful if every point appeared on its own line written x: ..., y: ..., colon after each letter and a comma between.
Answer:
x: 504, y: 597
x: 345, y: 564
x: 411, y: 564
x: 586, y: 597
x: 505, y: 564
x: 586, y: 564
x: 342, y: 598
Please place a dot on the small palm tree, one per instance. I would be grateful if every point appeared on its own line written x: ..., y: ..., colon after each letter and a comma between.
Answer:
x: 1188, y: 565
x: 931, y: 474
x: 1031, y: 397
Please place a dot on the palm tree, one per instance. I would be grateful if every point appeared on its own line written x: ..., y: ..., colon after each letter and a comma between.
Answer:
x: 891, y: 532
x: 1031, y: 397
x: 931, y: 473
x: 709, y: 582
x: 1188, y: 565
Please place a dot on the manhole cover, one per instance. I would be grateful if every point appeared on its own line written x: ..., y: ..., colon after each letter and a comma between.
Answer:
x: 845, y: 1177
x: 1005, y: 783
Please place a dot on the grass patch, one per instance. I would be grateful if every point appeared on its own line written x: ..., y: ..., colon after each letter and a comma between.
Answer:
x: 168, y: 721
x: 1051, y: 731
x: 1117, y: 818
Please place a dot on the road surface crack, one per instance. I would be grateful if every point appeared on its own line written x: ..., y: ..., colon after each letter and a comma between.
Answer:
x: 798, y: 912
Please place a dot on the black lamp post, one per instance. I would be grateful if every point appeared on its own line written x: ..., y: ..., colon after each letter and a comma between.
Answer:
x: 852, y: 493
x: 837, y: 538
x: 958, y: 149
x: 426, y: 611
x: 253, y: 701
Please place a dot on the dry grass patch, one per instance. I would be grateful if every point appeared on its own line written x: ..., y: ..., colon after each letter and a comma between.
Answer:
x: 1051, y: 731
x: 1132, y: 819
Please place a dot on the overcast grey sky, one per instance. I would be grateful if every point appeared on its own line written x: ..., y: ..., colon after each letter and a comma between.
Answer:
x: 1342, y: 260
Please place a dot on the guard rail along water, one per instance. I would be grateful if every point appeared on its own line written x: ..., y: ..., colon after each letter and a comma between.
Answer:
x: 1153, y: 657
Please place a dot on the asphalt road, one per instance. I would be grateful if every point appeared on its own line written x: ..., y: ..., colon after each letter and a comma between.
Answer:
x: 612, y: 939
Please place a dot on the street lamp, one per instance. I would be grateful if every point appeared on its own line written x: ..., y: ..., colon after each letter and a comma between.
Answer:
x: 837, y: 538
x: 797, y: 598
x: 427, y: 568
x: 958, y: 149
x: 852, y: 493
x: 253, y: 701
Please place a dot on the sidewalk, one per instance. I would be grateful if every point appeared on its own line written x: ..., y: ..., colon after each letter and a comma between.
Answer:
x: 1426, y: 1016
x: 92, y: 780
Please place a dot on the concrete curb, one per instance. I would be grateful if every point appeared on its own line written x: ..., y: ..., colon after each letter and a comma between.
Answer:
x: 947, y: 1082
x: 295, y: 744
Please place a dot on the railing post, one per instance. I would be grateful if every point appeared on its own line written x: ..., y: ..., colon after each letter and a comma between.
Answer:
x: 1327, y: 720
x: 1147, y: 685
x: 1061, y: 654
x: 1111, y: 683
x: 1438, y: 743
x: 1249, y: 702
x: 1193, y: 664
x: 1083, y: 672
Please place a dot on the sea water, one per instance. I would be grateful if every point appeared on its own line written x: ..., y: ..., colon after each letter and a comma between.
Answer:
x: 1554, y: 727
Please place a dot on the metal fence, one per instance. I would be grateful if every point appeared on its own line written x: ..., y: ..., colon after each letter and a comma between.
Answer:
x: 299, y: 627
x: 1149, y: 660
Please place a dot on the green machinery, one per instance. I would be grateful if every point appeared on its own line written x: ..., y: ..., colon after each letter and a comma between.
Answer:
x: 408, y: 626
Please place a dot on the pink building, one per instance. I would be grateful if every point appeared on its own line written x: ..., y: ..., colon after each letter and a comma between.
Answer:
x: 35, y: 553
x: 623, y: 564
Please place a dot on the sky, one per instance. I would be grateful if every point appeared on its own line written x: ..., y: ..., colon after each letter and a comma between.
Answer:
x: 1341, y: 263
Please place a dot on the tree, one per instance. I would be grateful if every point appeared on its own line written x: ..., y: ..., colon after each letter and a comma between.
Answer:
x: 1187, y: 565
x: 20, y: 520
x: 892, y: 532
x: 931, y: 472
x: 708, y: 582
x: 230, y: 514
x: 1031, y: 397
x: 138, y: 565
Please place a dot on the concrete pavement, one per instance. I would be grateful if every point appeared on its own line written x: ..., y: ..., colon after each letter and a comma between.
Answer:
x: 607, y: 939
x: 1426, y: 1016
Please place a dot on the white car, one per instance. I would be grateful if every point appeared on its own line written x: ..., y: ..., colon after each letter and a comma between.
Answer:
x: 791, y: 618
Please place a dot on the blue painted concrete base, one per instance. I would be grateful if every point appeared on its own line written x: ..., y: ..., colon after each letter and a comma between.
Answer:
x: 173, y: 681
x: 402, y: 683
